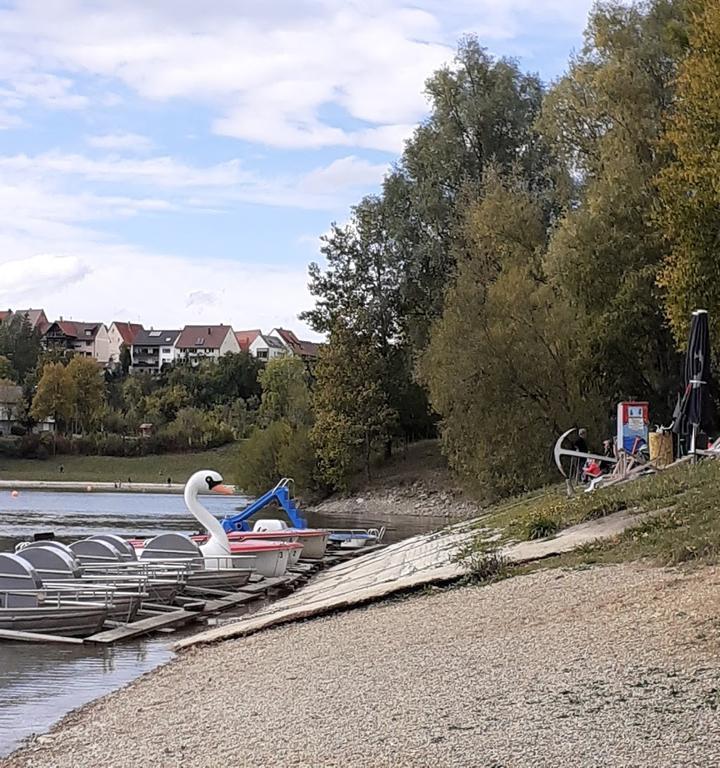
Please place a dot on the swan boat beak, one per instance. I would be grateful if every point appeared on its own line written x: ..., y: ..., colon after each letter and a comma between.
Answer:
x: 223, y: 489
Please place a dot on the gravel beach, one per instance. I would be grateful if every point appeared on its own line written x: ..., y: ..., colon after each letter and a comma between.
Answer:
x: 614, y: 666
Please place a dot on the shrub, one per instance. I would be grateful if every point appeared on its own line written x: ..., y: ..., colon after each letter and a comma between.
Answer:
x: 541, y: 524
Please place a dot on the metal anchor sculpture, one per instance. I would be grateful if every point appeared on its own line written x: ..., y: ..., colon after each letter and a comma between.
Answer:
x: 560, y: 452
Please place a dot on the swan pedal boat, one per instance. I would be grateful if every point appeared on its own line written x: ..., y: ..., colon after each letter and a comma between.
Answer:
x: 269, y: 559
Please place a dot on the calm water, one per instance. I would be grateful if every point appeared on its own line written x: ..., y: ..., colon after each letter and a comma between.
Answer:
x: 38, y: 683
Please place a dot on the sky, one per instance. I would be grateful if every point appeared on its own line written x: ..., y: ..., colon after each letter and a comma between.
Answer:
x: 175, y: 161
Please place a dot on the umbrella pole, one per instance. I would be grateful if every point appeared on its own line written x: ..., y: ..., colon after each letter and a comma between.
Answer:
x: 693, y: 437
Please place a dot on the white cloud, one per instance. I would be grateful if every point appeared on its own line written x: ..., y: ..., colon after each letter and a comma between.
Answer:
x: 269, y: 71
x: 128, y: 142
x: 158, y: 171
x: 156, y: 289
x: 174, y: 184
x: 40, y: 273
x: 345, y: 172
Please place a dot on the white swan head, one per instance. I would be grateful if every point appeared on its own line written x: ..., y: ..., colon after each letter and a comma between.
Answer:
x: 203, y: 481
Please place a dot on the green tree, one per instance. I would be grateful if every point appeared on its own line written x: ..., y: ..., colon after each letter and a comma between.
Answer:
x: 482, y: 111
x: 20, y: 343
x: 689, y: 210
x: 125, y: 358
x: 7, y: 372
x: 604, y: 119
x: 88, y: 388
x: 503, y: 364
x: 360, y: 288
x: 285, y: 393
x: 55, y: 396
x: 353, y: 418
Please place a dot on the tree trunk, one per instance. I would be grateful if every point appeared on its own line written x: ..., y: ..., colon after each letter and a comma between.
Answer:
x: 367, y: 456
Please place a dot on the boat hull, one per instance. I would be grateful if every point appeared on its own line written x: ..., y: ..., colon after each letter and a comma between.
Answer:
x: 224, y: 578
x: 269, y: 563
x: 314, y: 542
x: 70, y: 620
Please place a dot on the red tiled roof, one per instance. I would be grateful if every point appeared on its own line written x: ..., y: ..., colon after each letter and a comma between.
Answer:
x: 73, y: 329
x: 246, y: 338
x: 128, y: 331
x: 36, y: 318
x: 4, y: 314
x: 309, y: 348
x: 288, y: 337
x: 202, y: 336
x: 299, y: 347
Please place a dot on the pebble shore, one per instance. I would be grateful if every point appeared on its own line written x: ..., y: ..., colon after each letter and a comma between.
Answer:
x: 596, y: 668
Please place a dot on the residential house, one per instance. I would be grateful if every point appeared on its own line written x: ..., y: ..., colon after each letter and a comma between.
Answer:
x: 267, y: 347
x: 199, y: 342
x: 306, y: 350
x: 151, y: 350
x: 36, y: 317
x: 5, y: 315
x: 121, y: 334
x: 11, y: 406
x: 246, y: 338
x: 87, y: 339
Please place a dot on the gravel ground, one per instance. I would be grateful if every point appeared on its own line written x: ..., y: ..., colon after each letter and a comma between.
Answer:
x: 614, y: 666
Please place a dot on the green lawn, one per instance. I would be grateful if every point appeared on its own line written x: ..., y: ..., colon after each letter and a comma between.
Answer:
x: 144, y: 469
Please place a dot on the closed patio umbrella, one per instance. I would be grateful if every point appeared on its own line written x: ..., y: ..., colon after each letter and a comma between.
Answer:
x: 692, y: 410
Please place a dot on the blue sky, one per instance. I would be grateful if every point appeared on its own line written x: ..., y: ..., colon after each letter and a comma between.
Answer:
x: 171, y: 161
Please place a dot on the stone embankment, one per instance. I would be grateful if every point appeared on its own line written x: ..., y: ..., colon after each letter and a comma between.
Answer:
x: 413, y: 500
x: 611, y: 667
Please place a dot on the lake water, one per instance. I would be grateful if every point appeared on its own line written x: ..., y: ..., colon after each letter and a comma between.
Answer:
x: 40, y: 683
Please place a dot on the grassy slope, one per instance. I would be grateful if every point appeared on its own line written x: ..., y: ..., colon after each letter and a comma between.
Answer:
x: 144, y: 469
x: 686, y: 528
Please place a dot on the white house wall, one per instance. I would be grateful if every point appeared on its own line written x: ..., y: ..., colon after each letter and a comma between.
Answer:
x: 230, y: 343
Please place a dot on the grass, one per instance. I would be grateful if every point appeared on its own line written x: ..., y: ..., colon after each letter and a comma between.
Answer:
x: 143, y: 469
x: 684, y: 530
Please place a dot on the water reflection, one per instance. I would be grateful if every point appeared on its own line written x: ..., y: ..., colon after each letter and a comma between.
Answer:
x: 39, y: 684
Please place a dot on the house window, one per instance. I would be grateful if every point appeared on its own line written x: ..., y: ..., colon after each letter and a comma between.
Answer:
x: 262, y: 354
x: 88, y: 343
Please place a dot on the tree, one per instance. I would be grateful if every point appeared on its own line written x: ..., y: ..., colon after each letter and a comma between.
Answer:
x: 604, y: 119
x: 360, y: 288
x: 689, y: 210
x: 88, y: 392
x: 7, y: 372
x: 285, y: 393
x: 482, y: 111
x: 503, y: 364
x: 20, y: 344
x: 55, y: 396
x: 352, y: 415
x: 125, y: 358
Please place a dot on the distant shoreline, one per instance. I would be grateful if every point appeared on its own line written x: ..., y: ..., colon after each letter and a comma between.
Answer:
x: 90, y: 486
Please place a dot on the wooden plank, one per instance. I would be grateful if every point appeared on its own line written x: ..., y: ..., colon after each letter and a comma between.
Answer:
x: 207, y: 591
x: 142, y: 627
x: 263, y: 586
x: 36, y: 637
x: 225, y: 603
